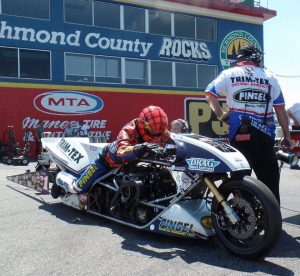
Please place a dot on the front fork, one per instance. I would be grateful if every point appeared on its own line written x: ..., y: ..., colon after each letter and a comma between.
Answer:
x: 231, y: 214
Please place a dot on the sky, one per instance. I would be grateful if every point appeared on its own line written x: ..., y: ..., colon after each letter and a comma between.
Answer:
x: 282, y: 46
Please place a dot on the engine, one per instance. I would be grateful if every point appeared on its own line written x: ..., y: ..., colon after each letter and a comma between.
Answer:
x: 155, y: 181
x: 143, y: 189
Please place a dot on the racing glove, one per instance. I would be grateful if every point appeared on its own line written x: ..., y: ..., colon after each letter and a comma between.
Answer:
x: 142, y: 149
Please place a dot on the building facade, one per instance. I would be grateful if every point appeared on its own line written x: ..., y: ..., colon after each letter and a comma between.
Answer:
x: 103, y: 61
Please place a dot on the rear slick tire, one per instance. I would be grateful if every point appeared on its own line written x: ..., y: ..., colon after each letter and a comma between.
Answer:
x: 259, y: 228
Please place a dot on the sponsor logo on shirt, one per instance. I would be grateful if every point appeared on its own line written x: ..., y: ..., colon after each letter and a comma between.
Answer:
x: 250, y: 96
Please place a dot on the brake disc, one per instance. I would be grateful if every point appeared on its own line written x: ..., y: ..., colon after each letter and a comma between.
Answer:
x: 247, y: 224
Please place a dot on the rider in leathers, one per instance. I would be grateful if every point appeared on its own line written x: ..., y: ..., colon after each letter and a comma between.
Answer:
x: 147, y: 132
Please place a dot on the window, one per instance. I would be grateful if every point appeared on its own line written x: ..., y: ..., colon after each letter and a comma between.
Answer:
x: 159, y: 22
x: 134, y: 19
x: 29, y: 8
x: 206, y: 74
x: 186, y: 75
x: 79, y: 67
x: 34, y: 64
x: 108, y: 69
x: 184, y: 26
x: 161, y: 73
x: 9, y: 62
x: 107, y: 15
x: 206, y: 29
x: 78, y: 11
x: 136, y: 71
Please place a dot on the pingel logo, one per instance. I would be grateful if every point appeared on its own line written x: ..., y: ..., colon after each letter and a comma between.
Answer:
x: 67, y: 103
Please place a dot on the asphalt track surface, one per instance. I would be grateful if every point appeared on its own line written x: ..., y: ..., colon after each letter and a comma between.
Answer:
x: 41, y: 236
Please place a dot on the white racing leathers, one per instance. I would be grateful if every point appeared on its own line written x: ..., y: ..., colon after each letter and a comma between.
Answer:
x: 246, y: 87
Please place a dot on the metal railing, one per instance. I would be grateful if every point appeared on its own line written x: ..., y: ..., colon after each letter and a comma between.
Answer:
x: 254, y: 3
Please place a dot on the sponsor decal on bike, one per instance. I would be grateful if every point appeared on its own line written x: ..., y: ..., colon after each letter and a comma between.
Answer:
x: 202, y: 164
x: 178, y: 168
x: 176, y: 227
x: 71, y: 152
x: 87, y: 176
x: 93, y: 148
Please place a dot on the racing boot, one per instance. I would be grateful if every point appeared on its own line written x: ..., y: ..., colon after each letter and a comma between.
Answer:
x: 67, y: 181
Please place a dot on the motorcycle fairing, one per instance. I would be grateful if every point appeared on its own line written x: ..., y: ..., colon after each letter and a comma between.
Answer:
x: 204, y: 154
x: 73, y: 154
x: 184, y: 219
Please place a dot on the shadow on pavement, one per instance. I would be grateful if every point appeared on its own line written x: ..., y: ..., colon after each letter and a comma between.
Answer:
x: 153, y: 245
x: 294, y: 219
x: 210, y: 252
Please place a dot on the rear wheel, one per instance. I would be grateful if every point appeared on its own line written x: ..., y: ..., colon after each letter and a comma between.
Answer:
x: 9, y: 161
x: 25, y: 162
x: 260, y: 221
x: 3, y: 160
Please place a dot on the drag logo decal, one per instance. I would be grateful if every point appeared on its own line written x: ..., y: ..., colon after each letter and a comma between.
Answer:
x: 71, y: 152
x: 67, y: 103
x: 207, y: 165
x: 250, y: 96
x: 231, y: 45
x: 176, y: 227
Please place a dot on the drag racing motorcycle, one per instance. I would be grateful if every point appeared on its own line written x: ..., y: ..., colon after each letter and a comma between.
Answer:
x: 196, y: 188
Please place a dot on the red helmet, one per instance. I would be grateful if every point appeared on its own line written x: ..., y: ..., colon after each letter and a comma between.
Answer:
x: 153, y: 121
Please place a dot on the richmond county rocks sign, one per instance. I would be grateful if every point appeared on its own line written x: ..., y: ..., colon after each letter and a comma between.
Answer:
x: 112, y: 40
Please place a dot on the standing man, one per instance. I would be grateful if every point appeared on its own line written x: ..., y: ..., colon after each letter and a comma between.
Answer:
x: 251, y: 94
x: 38, y: 136
x: 294, y: 114
x: 84, y: 130
x: 68, y: 131
x: 180, y: 126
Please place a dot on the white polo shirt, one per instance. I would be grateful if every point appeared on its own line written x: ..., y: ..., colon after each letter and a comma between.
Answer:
x: 246, y: 88
x: 295, y: 110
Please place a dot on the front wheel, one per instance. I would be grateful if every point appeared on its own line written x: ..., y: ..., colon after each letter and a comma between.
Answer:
x: 9, y: 161
x: 259, y: 227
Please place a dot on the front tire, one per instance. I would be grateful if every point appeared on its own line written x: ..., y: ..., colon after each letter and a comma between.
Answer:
x: 25, y: 162
x: 9, y: 161
x: 260, y: 223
